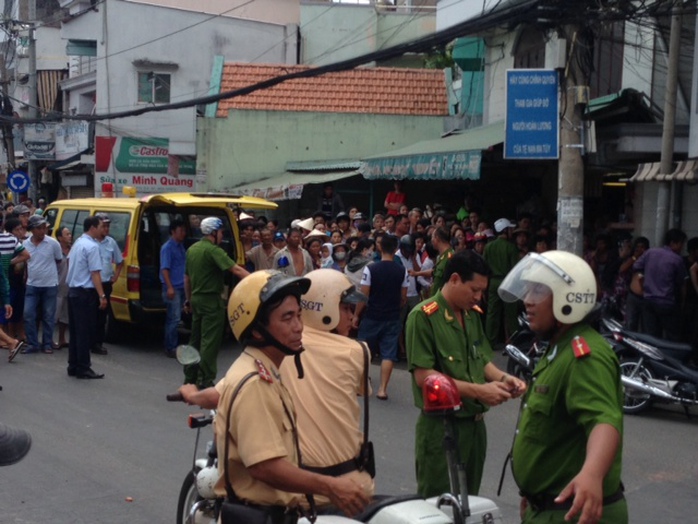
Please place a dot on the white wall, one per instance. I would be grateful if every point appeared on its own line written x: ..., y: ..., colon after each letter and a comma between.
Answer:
x: 498, y: 60
x: 176, y: 42
x: 452, y: 12
x: 637, y: 62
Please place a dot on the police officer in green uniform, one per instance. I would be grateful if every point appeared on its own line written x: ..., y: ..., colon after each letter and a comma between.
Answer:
x: 445, y: 335
x: 501, y: 255
x: 205, y: 267
x: 567, y: 452
x: 441, y: 240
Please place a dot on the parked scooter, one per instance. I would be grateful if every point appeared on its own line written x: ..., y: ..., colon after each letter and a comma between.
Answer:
x: 198, y: 503
x: 654, y: 370
x: 525, y: 342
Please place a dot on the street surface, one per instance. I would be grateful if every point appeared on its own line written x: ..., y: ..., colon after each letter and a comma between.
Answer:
x: 115, y: 451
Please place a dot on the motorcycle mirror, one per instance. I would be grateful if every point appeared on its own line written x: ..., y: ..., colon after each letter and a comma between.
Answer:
x: 518, y: 356
x: 188, y: 355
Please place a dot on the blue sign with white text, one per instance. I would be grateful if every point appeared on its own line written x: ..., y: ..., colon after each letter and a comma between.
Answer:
x: 532, y: 119
x: 18, y: 181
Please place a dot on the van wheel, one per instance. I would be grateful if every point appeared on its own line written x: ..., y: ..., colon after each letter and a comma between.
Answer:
x: 115, y: 331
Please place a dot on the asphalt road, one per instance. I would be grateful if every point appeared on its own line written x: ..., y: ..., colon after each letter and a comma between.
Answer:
x: 114, y: 451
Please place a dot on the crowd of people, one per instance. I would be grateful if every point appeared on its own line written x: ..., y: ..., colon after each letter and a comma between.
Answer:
x: 296, y: 310
x: 40, y: 290
x: 421, y: 241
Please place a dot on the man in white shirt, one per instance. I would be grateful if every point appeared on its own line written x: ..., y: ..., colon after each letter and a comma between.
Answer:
x: 42, y: 285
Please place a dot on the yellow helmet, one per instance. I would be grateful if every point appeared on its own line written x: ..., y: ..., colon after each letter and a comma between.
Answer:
x: 320, y: 304
x: 254, y: 291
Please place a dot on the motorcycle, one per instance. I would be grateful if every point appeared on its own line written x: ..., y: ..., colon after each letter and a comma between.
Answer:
x: 654, y: 370
x: 199, y: 504
x: 524, y: 341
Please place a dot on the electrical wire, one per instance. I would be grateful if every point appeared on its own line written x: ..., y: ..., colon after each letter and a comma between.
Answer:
x: 522, y: 11
x: 526, y: 11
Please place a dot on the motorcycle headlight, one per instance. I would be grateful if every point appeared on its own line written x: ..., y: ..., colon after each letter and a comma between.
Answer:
x: 205, y: 482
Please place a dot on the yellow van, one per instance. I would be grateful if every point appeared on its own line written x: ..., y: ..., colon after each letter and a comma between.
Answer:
x: 140, y: 226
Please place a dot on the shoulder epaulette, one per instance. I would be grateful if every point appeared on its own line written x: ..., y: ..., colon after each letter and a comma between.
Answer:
x: 580, y: 347
x: 478, y: 309
x: 263, y: 372
x: 430, y: 308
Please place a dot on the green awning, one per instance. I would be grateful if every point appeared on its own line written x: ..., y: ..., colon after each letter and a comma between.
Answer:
x: 289, y: 186
x: 457, y: 156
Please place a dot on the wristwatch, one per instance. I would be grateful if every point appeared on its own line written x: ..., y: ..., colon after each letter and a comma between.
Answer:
x: 102, y: 296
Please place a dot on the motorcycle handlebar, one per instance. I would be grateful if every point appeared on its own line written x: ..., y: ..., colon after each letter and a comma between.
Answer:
x: 175, y: 397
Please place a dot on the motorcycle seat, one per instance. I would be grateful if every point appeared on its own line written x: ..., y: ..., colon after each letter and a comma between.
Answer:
x: 381, y: 501
x: 677, y: 350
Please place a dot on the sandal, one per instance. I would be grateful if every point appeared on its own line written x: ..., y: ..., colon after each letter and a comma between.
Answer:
x: 15, y: 350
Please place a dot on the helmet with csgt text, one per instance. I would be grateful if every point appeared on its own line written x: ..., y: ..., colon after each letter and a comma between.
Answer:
x: 211, y: 225
x: 567, y: 276
x: 320, y: 304
x: 254, y: 292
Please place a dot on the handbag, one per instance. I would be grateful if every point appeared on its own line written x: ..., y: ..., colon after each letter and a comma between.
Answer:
x: 239, y: 513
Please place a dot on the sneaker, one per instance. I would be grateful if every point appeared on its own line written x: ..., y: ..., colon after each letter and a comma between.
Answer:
x: 29, y: 349
x: 15, y: 350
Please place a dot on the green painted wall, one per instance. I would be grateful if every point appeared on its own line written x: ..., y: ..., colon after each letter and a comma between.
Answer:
x: 251, y: 145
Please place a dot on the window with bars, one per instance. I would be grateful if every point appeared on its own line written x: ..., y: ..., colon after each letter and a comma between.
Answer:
x: 153, y: 88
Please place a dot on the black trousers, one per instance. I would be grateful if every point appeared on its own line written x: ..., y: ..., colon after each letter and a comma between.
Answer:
x: 83, y: 304
x: 102, y: 315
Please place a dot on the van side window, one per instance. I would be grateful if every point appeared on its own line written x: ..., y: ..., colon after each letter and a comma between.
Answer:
x: 118, y: 228
x: 74, y: 220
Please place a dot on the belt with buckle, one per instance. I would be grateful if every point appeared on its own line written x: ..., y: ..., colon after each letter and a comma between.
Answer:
x: 335, y: 471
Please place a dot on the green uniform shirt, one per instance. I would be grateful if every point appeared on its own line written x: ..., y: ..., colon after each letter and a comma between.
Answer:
x: 439, y: 268
x: 436, y: 340
x: 205, y: 266
x: 502, y: 256
x: 567, y: 398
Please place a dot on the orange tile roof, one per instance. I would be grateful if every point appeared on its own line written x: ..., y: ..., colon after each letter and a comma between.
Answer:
x: 379, y: 90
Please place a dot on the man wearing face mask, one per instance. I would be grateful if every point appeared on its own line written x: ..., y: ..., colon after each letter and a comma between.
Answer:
x: 568, y: 447
x: 205, y: 266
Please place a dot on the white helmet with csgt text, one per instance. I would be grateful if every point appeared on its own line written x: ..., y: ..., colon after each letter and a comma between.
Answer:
x: 567, y: 276
x: 320, y: 304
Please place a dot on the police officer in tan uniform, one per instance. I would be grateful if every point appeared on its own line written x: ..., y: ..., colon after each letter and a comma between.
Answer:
x: 329, y: 416
x: 263, y: 462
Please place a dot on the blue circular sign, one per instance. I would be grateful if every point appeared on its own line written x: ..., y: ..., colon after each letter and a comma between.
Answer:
x: 18, y: 181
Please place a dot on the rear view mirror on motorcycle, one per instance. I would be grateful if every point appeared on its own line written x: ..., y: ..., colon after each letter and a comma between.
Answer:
x: 188, y: 355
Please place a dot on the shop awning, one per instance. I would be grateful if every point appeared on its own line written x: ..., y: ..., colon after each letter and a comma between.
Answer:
x: 457, y: 156
x: 289, y: 185
x: 646, y: 172
x: 686, y: 171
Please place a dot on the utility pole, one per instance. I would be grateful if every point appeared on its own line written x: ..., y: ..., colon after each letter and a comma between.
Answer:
x: 33, y: 93
x: 667, y: 157
x: 570, y: 203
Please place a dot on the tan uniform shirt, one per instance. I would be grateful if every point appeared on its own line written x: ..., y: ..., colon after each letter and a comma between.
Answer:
x: 329, y: 415
x: 260, y: 429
